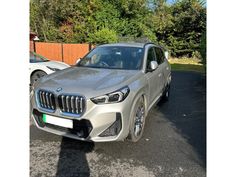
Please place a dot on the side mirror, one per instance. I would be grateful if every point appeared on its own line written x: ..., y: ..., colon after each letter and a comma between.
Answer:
x: 77, y: 61
x: 153, y: 65
x: 166, y: 54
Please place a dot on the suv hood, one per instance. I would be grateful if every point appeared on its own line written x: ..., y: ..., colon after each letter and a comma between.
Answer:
x: 90, y: 82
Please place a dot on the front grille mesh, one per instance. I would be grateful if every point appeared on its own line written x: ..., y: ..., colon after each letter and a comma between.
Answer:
x: 71, y: 104
x: 46, y: 100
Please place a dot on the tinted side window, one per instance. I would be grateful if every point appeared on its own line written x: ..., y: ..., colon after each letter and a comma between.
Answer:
x: 150, y: 57
x: 159, y: 55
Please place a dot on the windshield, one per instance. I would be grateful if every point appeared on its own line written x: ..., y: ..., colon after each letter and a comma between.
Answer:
x: 35, y: 58
x: 114, y: 57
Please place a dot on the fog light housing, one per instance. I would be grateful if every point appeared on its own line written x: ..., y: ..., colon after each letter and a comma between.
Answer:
x: 114, y: 129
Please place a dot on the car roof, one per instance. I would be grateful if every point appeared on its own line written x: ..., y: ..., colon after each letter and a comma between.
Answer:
x: 132, y: 44
x: 127, y: 44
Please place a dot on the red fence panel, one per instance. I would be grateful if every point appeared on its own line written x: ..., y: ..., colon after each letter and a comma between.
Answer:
x: 51, y: 51
x: 72, y: 52
x: 68, y: 53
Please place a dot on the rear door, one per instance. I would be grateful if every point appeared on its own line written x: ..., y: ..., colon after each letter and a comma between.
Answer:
x: 163, y: 64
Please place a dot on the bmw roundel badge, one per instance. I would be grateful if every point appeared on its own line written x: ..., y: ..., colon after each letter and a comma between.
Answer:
x: 59, y: 89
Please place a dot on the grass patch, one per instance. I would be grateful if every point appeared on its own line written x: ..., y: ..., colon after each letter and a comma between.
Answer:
x: 187, y: 64
x: 188, y: 67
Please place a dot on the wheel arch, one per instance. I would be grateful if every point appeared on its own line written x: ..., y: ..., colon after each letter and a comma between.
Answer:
x: 138, y: 95
x: 36, y: 70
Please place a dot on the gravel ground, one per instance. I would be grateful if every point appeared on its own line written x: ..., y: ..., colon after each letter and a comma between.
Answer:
x: 173, y: 143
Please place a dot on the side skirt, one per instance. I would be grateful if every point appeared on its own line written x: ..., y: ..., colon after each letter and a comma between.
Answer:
x: 155, y: 101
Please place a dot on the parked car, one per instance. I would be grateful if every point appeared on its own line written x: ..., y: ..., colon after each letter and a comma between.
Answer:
x: 41, y: 66
x: 106, y: 96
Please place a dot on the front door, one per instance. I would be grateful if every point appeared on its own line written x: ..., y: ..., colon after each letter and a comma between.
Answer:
x: 155, y: 78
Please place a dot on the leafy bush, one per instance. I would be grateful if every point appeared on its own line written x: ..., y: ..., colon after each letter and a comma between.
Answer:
x: 203, y: 48
x: 103, y: 36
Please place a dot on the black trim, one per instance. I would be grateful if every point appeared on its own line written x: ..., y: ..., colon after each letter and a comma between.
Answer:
x: 81, y: 128
x: 116, y: 126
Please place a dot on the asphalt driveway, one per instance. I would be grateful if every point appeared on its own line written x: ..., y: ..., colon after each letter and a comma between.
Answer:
x: 173, y: 144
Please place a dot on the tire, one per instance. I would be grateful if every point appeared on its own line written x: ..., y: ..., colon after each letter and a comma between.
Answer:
x: 166, y: 93
x: 36, y: 76
x: 138, y: 117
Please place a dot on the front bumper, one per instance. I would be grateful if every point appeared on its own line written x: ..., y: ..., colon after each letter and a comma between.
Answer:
x: 94, y: 125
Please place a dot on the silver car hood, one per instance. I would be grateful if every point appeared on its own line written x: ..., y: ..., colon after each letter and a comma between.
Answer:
x: 90, y: 82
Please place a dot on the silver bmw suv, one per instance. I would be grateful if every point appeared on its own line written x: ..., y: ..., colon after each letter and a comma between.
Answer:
x: 106, y: 96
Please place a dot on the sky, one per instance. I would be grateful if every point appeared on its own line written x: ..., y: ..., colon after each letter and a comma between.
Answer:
x: 170, y: 1
x: 173, y: 1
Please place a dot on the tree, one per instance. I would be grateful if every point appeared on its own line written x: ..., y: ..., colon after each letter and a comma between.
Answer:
x: 202, y: 48
x: 103, y: 36
x: 178, y: 27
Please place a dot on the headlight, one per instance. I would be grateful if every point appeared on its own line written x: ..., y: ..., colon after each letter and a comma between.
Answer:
x: 114, y: 97
x: 53, y: 69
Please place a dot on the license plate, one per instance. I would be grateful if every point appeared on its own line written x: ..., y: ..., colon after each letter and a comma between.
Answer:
x: 67, y: 123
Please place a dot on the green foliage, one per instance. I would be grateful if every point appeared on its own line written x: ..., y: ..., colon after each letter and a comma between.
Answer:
x: 178, y: 27
x: 103, y: 36
x: 203, y: 48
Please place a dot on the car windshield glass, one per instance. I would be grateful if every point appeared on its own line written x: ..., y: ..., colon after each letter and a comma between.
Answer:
x: 35, y: 58
x: 114, y: 57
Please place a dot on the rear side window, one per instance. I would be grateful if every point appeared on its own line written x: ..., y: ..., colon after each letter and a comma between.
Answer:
x: 151, y: 57
x: 159, y: 55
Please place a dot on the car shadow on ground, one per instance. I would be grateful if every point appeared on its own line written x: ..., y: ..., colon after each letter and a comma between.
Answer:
x: 51, y: 152
x: 186, y: 110
x: 72, y: 158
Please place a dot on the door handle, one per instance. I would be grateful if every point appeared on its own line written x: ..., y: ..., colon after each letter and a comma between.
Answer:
x: 160, y: 74
x: 167, y: 68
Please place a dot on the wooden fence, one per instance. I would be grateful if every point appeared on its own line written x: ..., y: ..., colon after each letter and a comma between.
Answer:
x: 68, y: 53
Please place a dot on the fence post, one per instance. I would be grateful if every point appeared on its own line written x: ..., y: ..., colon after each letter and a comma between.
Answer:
x: 62, y: 53
x: 34, y: 46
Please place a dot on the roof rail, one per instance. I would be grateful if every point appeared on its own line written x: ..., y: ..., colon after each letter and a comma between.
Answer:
x: 149, y: 43
x: 161, y: 46
x: 132, y: 39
